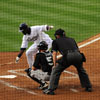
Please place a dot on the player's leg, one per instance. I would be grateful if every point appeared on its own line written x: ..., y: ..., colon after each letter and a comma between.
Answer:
x: 54, y: 79
x: 30, y: 54
x: 49, y: 42
x: 40, y: 77
x: 83, y: 76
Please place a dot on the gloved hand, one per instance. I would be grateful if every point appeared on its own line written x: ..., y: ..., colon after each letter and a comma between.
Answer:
x: 17, y: 60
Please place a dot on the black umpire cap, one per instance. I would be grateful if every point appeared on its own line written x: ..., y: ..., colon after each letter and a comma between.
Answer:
x: 60, y: 32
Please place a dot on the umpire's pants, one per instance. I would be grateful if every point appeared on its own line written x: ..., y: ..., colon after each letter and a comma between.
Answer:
x: 56, y: 72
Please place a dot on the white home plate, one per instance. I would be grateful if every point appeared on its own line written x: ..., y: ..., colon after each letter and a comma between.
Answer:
x: 8, y: 76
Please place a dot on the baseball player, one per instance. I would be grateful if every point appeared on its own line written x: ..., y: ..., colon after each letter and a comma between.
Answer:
x: 71, y: 56
x: 34, y: 34
x: 42, y: 67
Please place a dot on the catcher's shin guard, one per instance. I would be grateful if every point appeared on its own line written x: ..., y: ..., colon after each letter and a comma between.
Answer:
x: 33, y: 78
x: 37, y: 80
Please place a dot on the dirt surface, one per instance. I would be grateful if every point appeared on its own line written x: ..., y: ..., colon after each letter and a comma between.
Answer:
x: 23, y: 88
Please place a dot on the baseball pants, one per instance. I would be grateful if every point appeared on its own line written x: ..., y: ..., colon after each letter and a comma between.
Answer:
x: 40, y: 75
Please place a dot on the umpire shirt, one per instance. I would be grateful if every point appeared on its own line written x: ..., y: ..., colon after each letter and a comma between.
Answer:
x: 64, y: 44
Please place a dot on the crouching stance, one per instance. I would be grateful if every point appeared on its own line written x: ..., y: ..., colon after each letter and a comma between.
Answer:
x: 42, y: 66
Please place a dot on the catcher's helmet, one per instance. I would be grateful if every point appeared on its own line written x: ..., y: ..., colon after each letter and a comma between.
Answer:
x: 60, y: 32
x: 42, y: 45
x: 23, y: 27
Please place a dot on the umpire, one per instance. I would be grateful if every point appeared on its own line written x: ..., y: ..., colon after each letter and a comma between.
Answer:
x: 71, y: 56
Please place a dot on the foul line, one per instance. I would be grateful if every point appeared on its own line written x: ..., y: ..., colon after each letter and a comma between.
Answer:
x: 88, y: 43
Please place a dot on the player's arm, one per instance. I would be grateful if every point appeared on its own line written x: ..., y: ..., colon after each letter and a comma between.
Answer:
x: 22, y: 49
x: 43, y: 28
x: 20, y: 54
x: 54, y: 57
x: 55, y: 50
x: 36, y: 64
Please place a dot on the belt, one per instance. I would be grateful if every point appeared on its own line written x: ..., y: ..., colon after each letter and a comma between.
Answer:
x: 69, y: 51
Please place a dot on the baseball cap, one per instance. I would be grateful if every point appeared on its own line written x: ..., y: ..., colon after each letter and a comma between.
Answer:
x: 60, y: 32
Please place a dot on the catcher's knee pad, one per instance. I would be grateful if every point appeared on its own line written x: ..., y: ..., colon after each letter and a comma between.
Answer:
x: 40, y: 75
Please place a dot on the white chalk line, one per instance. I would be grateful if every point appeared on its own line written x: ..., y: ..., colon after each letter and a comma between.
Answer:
x: 90, y: 42
x: 18, y: 88
x: 15, y: 72
x: 18, y: 73
x: 21, y: 74
x: 8, y: 76
x: 74, y: 90
x: 7, y: 63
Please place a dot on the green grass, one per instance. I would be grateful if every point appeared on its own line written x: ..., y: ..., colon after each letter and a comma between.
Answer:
x: 79, y: 18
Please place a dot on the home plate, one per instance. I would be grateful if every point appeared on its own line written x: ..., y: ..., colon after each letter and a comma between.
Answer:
x: 8, y: 76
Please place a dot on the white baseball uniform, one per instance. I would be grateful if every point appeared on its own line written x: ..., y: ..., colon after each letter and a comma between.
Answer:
x: 37, y: 35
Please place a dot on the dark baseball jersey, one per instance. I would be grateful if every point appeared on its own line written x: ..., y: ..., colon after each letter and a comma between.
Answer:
x: 44, y: 61
x: 64, y: 44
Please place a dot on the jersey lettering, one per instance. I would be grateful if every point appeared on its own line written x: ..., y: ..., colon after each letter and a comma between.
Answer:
x: 33, y: 38
x: 49, y: 59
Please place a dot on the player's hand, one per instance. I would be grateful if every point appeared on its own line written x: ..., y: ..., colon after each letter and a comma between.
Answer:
x: 51, y: 27
x: 53, y: 67
x: 17, y: 60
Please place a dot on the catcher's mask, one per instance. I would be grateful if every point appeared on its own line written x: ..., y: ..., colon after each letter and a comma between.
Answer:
x: 23, y: 27
x: 42, y: 45
x: 59, y: 32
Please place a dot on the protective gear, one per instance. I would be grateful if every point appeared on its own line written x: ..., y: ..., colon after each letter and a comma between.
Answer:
x: 59, y: 32
x: 44, y: 86
x: 43, y: 46
x: 23, y: 27
x: 40, y: 75
x: 17, y: 59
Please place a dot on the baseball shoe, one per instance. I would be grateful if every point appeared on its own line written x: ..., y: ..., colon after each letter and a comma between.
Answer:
x: 88, y: 89
x: 27, y: 70
x: 44, y: 86
x: 48, y: 92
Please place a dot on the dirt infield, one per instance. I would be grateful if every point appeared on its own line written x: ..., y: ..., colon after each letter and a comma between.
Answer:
x: 23, y: 88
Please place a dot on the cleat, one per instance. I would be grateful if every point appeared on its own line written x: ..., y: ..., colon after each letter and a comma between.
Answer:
x: 27, y: 70
x: 42, y: 87
x: 48, y: 92
x: 88, y: 89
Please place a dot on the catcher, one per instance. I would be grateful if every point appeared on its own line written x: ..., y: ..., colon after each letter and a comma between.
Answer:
x: 42, y: 66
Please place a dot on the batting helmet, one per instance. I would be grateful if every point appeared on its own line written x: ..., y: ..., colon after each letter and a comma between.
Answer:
x: 43, y: 45
x: 23, y: 27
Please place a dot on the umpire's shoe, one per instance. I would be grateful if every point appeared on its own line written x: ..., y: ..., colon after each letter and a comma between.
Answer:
x: 48, y: 92
x: 88, y: 89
